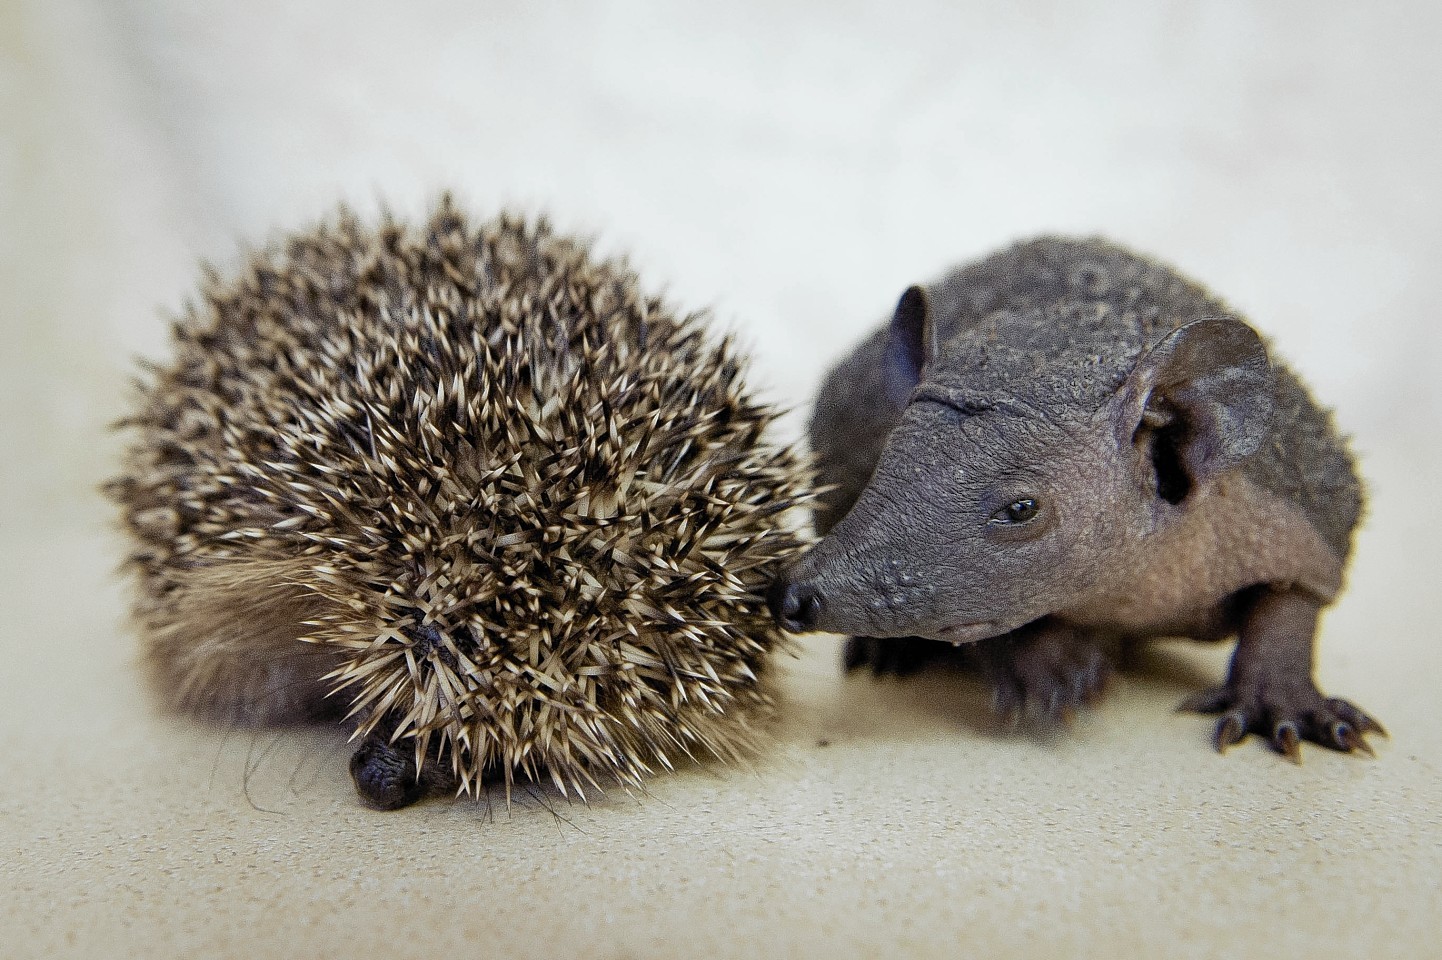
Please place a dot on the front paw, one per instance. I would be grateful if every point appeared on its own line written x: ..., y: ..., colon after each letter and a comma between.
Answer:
x: 898, y: 656
x: 385, y: 775
x: 1285, y: 714
x: 1050, y: 673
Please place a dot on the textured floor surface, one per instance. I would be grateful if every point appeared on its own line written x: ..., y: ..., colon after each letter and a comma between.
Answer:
x: 794, y: 166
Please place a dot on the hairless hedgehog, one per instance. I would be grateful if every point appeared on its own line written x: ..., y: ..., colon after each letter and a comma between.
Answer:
x: 1064, y: 449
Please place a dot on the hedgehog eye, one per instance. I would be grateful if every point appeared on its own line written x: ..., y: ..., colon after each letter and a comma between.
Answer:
x: 1018, y: 511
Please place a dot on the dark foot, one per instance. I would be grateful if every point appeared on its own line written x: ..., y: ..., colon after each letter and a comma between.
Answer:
x: 1269, y: 689
x: 1285, y: 714
x: 899, y: 656
x: 1048, y: 672
x: 385, y: 774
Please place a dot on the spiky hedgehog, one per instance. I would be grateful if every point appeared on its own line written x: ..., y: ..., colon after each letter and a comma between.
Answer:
x: 468, y: 490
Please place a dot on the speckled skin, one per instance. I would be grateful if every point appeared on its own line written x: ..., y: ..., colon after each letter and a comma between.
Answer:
x: 1303, y: 461
x: 1034, y: 357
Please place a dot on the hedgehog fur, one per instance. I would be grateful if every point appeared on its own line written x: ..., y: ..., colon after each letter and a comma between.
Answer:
x: 469, y: 490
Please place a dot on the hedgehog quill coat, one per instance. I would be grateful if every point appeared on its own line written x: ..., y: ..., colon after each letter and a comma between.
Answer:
x: 469, y: 489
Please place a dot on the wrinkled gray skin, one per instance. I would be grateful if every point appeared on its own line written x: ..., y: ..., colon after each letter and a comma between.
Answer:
x: 1066, y: 448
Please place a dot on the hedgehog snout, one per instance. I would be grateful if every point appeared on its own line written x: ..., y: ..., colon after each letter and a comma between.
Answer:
x: 795, y: 605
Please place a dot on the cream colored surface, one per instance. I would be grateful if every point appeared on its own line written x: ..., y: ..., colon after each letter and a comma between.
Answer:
x: 796, y: 166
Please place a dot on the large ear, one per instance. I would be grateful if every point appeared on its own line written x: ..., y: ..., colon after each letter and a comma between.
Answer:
x: 1201, y: 400
x: 910, y: 345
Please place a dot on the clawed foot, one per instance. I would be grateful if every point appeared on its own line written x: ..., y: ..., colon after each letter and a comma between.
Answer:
x: 1051, y: 674
x: 1285, y: 717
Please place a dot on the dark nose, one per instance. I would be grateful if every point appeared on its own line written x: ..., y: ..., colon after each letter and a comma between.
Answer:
x: 795, y: 606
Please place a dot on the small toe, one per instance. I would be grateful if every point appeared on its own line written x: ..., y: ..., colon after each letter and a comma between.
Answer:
x: 1287, y: 740
x: 1049, y: 676
x: 1046, y: 696
x: 1098, y: 675
x: 1286, y: 717
x: 1007, y: 699
x: 1358, y: 719
x: 1230, y: 730
x: 1088, y: 678
x: 1345, y: 737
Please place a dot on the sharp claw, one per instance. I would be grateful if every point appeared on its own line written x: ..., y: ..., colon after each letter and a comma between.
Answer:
x: 1287, y: 741
x: 1357, y: 718
x: 1347, y: 738
x: 1067, y: 715
x: 1368, y: 725
x: 1230, y: 729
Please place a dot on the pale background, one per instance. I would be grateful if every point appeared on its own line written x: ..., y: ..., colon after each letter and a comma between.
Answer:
x: 794, y: 166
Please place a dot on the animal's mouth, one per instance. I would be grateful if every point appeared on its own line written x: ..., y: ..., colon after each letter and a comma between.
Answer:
x: 968, y: 632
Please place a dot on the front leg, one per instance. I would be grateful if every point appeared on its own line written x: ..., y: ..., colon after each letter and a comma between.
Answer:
x: 1269, y: 689
x: 899, y: 656
x: 1046, y: 668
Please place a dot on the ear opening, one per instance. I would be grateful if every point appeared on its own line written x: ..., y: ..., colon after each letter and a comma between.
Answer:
x: 1198, y: 403
x: 1154, y: 431
x: 910, y: 345
x: 1172, y: 481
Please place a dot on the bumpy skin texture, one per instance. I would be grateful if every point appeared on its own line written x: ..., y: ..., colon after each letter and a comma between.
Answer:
x: 1064, y: 449
x: 469, y: 488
